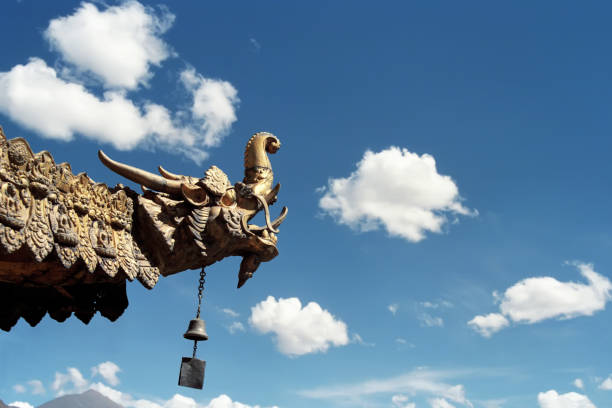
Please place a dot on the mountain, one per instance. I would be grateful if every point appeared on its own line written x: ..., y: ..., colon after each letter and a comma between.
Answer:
x: 88, y: 399
x: 3, y: 405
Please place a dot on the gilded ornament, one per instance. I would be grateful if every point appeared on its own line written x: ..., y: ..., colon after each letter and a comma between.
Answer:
x: 83, y: 240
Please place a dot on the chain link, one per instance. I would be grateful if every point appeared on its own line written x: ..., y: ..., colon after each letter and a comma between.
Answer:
x: 201, y: 291
x: 195, y: 348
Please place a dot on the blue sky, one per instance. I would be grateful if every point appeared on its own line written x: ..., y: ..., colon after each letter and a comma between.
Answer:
x: 446, y: 169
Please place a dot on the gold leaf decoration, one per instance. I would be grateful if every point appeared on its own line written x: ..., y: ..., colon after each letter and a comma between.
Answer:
x: 66, y: 220
x: 216, y: 181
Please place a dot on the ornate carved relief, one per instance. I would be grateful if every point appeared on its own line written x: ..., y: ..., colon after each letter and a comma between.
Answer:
x: 67, y: 244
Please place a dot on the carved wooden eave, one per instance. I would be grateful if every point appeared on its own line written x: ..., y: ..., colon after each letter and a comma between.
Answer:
x: 65, y: 241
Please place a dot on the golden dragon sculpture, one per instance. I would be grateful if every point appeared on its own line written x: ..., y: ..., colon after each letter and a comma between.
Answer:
x: 68, y: 244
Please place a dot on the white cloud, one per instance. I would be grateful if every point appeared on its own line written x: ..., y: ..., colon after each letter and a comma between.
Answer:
x: 235, y: 327
x: 36, y: 387
x: 255, y: 44
x: 435, y: 305
x: 179, y: 401
x: 117, y: 44
x: 71, y: 382
x: 440, y: 403
x: 230, y: 312
x: 107, y: 370
x: 214, y: 103
x: 356, y: 338
x: 396, y: 189
x: 551, y: 399
x: 420, y: 381
x: 21, y: 404
x: 224, y: 401
x: 19, y: 388
x: 488, y: 324
x: 298, y: 330
x: 127, y: 401
x: 115, y: 395
x: 606, y: 384
x: 35, y: 97
x: 393, y: 308
x: 402, y: 343
x: 430, y: 321
x: 57, y: 105
x: 532, y: 300
x: 578, y: 383
x: 492, y: 403
x: 401, y: 401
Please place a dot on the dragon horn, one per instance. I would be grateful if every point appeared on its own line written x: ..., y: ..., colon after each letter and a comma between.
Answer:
x: 141, y: 177
x: 168, y: 175
x: 266, y: 213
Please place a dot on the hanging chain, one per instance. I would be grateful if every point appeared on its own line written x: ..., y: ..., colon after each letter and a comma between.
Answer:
x: 200, y: 293
x: 195, y: 348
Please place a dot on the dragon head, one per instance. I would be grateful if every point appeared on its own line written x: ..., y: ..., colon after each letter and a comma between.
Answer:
x: 187, y: 222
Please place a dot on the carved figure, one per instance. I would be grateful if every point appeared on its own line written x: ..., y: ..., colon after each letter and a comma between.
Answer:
x: 68, y: 244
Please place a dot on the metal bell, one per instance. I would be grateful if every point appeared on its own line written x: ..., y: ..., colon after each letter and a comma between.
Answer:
x: 196, y: 330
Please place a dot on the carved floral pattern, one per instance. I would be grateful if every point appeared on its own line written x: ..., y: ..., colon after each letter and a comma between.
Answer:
x: 58, y: 215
